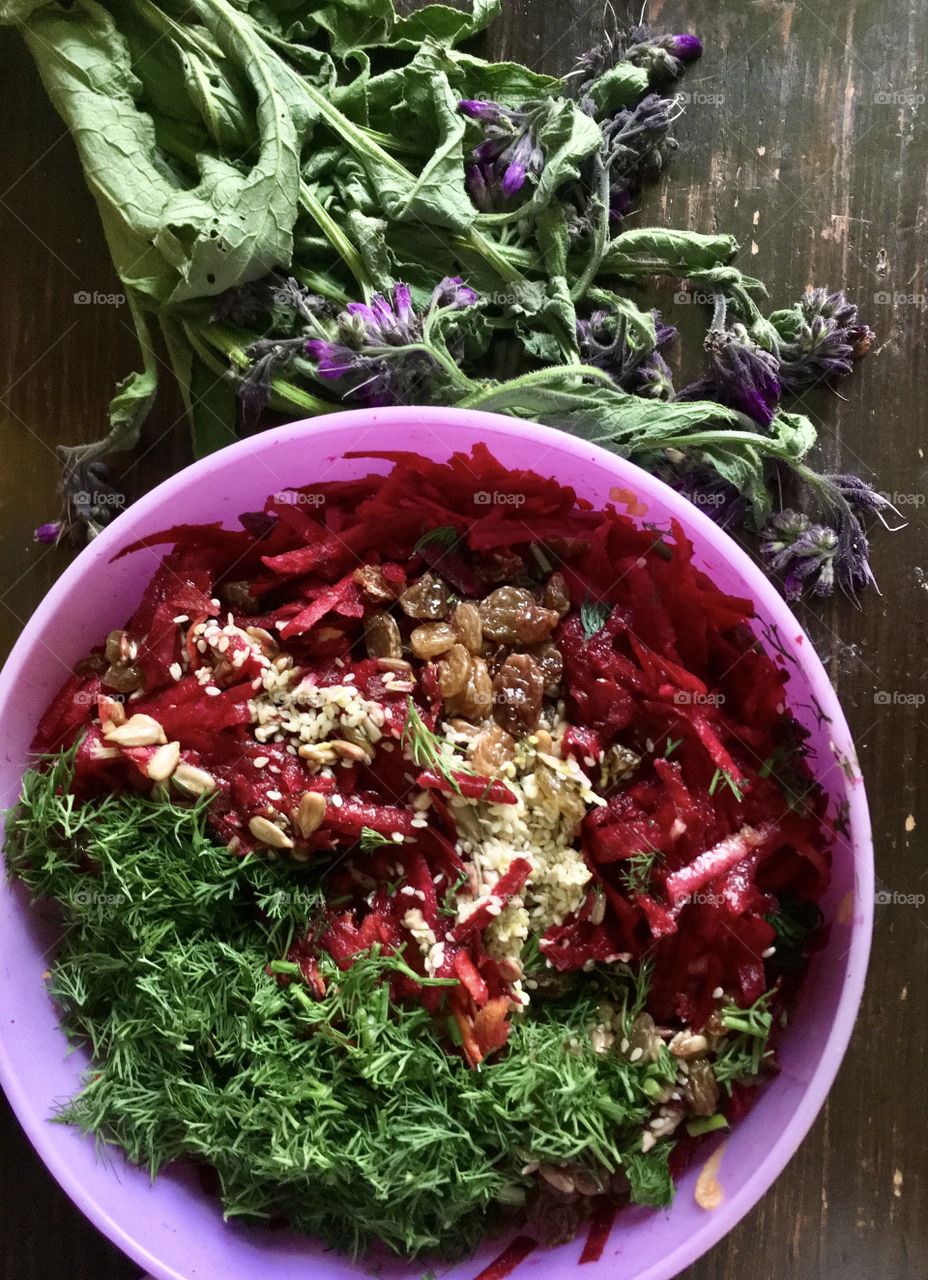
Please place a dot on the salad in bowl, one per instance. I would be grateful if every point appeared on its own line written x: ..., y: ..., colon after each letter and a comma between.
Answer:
x: 439, y: 855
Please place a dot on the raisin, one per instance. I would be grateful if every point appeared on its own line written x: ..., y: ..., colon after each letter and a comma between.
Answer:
x: 429, y: 641
x: 475, y: 701
x: 124, y: 677
x: 559, y: 795
x: 238, y: 595
x: 701, y: 1091
x: 643, y: 1035
x: 454, y: 671
x: 498, y: 566
x: 467, y: 624
x: 556, y: 596
x: 373, y: 585
x: 492, y: 748
x: 550, y: 663
x: 382, y: 636
x: 513, y: 616
x: 427, y: 598
x: 517, y: 693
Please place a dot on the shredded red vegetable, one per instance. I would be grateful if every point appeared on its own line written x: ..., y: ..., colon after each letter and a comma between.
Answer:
x: 276, y: 667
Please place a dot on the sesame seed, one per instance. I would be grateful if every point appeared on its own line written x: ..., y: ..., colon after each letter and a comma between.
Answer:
x: 213, y: 691
x: 181, y: 617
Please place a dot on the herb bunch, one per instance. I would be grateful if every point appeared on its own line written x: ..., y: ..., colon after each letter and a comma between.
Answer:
x: 311, y: 224
x: 347, y: 1114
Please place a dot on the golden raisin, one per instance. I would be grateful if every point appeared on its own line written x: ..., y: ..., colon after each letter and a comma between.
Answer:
x: 428, y: 641
x: 556, y: 596
x: 373, y: 585
x: 475, y: 701
x: 454, y: 671
x: 492, y: 748
x: 382, y: 636
x: 428, y: 597
x: 512, y: 615
x: 467, y: 624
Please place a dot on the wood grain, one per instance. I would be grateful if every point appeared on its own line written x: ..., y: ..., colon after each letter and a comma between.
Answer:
x: 806, y: 136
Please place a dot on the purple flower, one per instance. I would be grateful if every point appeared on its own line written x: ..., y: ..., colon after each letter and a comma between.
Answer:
x: 509, y: 154
x: 606, y: 340
x: 741, y: 374
x: 453, y: 292
x: 636, y: 142
x: 652, y: 379
x: 745, y: 375
x: 803, y: 552
x: 50, y: 532
x: 663, y: 57
x: 820, y: 338
x: 486, y: 112
x: 715, y: 497
x: 368, y: 349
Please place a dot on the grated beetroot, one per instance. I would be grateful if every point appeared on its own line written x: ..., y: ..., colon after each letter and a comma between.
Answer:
x: 674, y: 677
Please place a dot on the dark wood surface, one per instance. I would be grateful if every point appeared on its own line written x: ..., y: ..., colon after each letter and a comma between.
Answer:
x: 806, y: 136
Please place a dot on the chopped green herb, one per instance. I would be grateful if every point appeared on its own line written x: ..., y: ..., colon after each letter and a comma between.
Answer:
x: 593, y: 616
x: 720, y: 776
x: 706, y: 1124
x: 371, y: 840
x: 444, y: 536
x: 796, y: 923
x: 636, y: 870
x: 345, y: 1114
x: 429, y: 751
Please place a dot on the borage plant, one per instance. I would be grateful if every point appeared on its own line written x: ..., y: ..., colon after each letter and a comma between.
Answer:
x: 312, y: 225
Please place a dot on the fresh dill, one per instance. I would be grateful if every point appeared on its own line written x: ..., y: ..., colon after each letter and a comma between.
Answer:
x: 427, y: 750
x: 593, y: 616
x: 371, y: 840
x: 346, y: 1114
x: 670, y: 748
x: 796, y: 923
x: 637, y: 869
x: 743, y: 1055
x: 444, y: 536
x: 722, y: 776
x: 448, y: 905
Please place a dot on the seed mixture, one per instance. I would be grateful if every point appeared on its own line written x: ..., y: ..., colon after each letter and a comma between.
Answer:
x: 484, y: 825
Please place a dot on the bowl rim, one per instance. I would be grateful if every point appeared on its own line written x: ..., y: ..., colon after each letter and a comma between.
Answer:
x: 740, y: 1201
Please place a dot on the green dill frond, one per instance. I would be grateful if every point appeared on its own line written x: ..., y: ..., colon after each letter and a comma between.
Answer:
x: 444, y: 536
x: 637, y: 869
x: 371, y: 840
x: 723, y: 776
x: 795, y: 923
x: 427, y: 750
x: 593, y: 616
x: 346, y: 1115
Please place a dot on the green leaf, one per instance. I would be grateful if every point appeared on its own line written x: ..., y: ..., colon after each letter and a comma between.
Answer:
x: 618, y: 87
x: 567, y: 136
x: 656, y: 251
x: 442, y: 24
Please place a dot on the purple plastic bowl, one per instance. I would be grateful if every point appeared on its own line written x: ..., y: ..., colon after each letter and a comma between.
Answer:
x: 172, y: 1227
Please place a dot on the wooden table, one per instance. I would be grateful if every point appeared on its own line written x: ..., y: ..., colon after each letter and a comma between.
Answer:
x: 806, y: 137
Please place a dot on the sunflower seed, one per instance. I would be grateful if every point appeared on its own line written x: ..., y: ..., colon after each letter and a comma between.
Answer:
x: 163, y: 762
x: 138, y: 731
x: 269, y: 833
